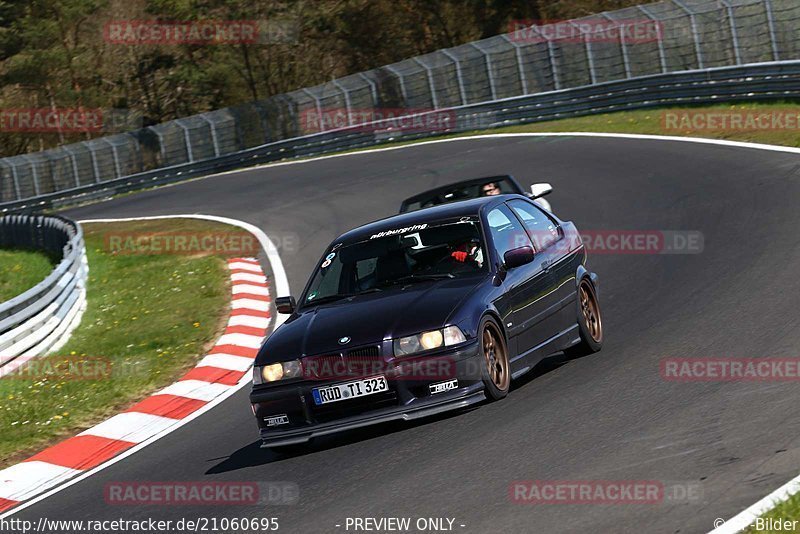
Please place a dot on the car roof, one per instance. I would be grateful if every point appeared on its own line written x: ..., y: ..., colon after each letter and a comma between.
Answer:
x: 442, y: 212
x: 473, y: 181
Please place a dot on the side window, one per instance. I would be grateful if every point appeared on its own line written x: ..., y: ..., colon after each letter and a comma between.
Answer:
x: 541, y: 228
x: 506, y: 231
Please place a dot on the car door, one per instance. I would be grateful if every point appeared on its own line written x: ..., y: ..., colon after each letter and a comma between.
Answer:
x: 525, y: 286
x: 560, y: 263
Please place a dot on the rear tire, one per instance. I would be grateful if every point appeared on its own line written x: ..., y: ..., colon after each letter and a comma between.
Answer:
x: 590, y: 322
x: 496, y: 371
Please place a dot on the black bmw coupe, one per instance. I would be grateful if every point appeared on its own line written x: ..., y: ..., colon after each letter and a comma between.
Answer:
x: 423, y: 312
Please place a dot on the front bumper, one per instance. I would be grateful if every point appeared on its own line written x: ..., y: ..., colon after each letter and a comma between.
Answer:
x: 287, y: 414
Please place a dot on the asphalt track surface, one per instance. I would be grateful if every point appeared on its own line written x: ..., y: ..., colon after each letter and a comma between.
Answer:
x: 608, y: 416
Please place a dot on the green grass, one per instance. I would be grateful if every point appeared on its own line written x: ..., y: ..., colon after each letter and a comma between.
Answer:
x: 651, y: 122
x: 787, y: 510
x: 149, y: 317
x: 20, y: 270
x: 647, y: 121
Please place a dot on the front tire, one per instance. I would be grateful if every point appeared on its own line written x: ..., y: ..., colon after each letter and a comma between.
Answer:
x: 496, y: 371
x: 590, y: 322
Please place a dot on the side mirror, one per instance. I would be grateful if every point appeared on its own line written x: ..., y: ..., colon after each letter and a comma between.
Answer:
x: 518, y: 256
x: 540, y: 190
x: 285, y: 305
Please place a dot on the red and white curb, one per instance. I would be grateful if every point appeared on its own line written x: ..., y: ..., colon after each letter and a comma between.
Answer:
x: 222, y: 370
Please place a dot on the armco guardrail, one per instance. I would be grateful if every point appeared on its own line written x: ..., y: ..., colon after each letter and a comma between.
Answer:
x: 666, y: 37
x: 774, y: 80
x: 41, y: 319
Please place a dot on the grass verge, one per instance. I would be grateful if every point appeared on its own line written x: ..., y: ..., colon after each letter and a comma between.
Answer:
x: 149, y: 318
x: 20, y: 270
x: 649, y: 122
x: 788, y: 510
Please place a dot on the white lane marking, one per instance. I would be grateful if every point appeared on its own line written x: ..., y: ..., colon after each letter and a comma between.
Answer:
x: 195, y: 389
x: 746, y: 517
x: 133, y: 427
x: 248, y: 288
x: 26, y: 479
x: 247, y: 277
x: 245, y: 267
x: 281, y: 284
x: 226, y: 361
x: 250, y: 304
x: 248, y: 320
x: 241, y: 340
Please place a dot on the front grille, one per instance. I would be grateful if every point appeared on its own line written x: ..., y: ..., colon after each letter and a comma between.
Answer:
x: 365, y: 352
x: 356, y: 363
x: 322, y: 367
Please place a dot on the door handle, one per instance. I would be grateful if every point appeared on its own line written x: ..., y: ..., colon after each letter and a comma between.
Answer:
x: 546, y: 266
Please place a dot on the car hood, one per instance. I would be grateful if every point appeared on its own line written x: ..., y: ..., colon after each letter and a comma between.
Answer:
x: 368, y: 319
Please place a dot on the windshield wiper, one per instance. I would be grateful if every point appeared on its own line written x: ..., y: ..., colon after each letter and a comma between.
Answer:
x: 328, y: 298
x: 419, y: 277
x: 339, y: 296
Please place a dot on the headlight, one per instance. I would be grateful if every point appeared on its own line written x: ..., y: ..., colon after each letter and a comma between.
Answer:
x: 451, y: 335
x: 276, y: 371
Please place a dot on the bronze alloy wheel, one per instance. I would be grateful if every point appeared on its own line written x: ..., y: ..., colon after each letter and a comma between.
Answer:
x: 494, y: 352
x: 591, y: 311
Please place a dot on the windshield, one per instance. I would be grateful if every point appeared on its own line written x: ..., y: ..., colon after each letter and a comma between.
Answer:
x: 491, y: 186
x: 420, y: 253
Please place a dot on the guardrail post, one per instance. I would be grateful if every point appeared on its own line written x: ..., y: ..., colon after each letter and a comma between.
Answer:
x: 318, y: 105
x: 523, y: 82
x: 15, y: 178
x: 402, y: 83
x: 347, y: 105
x: 74, y: 164
x: 186, y: 139
x: 734, y: 33
x: 589, y: 56
x: 693, y: 21
x: 551, y: 54
x: 622, y: 44
x: 35, y: 174
x: 213, y: 128
x: 115, y: 155
x: 459, y: 75
x: 771, y: 23
x: 488, y: 60
x: 431, y: 86
x: 373, y: 89
x: 163, y: 147
x: 660, y: 37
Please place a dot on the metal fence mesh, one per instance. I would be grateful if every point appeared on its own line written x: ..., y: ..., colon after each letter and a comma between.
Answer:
x: 662, y: 37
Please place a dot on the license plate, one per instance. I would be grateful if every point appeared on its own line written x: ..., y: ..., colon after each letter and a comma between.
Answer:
x: 349, y: 390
